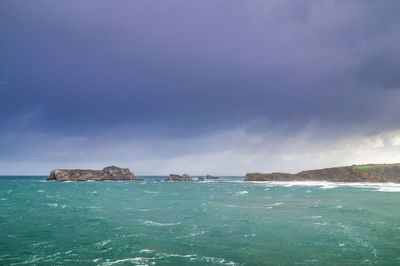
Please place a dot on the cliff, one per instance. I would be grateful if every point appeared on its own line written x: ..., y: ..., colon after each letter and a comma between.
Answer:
x: 108, y: 173
x: 354, y: 173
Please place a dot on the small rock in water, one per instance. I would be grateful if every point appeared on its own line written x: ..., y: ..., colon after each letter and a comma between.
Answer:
x: 183, y: 177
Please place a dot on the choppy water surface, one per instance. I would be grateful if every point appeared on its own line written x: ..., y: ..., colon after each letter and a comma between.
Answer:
x: 225, y: 222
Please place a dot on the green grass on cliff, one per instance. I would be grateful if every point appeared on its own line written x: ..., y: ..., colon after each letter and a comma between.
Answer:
x: 370, y: 167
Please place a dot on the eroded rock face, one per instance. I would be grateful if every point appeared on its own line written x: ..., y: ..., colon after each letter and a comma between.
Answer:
x: 183, y: 177
x: 269, y: 177
x: 108, y: 173
x: 337, y: 174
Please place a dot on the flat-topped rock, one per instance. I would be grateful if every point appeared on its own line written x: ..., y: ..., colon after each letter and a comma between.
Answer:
x: 108, y: 173
x: 183, y: 177
x: 212, y: 177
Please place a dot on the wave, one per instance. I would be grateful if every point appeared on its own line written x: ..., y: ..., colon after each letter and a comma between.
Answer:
x: 150, y: 192
x: 383, y: 187
x: 240, y: 193
x: 149, y: 222
x: 324, y: 223
x: 146, y: 251
x: 40, y: 243
x: 389, y: 189
x: 313, y: 217
x: 103, y: 243
x: 137, y: 260
x: 270, y: 206
x: 191, y: 235
x: 213, y: 260
x: 196, y: 258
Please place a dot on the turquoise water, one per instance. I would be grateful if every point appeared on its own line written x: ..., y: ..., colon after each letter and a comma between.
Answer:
x: 225, y: 222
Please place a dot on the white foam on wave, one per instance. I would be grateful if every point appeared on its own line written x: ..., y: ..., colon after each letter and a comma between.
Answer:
x: 149, y: 222
x: 150, y: 192
x: 324, y: 223
x: 270, y: 206
x: 213, y: 260
x: 162, y: 255
x: 240, y: 193
x: 210, y: 181
x: 382, y: 187
x: 165, y: 255
x: 146, y: 251
x: 191, y: 235
x: 389, y: 189
x: 137, y: 260
x: 40, y: 243
x: 103, y: 243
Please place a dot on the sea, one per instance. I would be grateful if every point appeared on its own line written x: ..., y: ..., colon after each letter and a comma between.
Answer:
x: 212, y: 222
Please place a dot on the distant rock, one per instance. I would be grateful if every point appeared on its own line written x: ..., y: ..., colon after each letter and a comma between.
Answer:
x: 108, y: 173
x: 200, y: 178
x: 183, y: 177
x: 212, y: 177
x: 354, y: 173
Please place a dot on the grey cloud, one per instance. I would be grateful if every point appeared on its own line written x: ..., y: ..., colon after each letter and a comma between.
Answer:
x: 181, y: 69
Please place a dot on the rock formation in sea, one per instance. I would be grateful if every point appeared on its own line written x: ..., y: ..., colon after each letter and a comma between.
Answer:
x: 108, y: 173
x: 212, y: 177
x: 354, y: 173
x: 183, y: 177
x: 200, y: 178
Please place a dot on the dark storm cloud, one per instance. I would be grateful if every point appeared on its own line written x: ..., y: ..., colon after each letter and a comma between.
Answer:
x: 198, y: 64
x: 186, y: 68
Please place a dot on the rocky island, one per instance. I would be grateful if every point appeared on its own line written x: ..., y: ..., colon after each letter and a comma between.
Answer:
x: 108, y: 173
x: 354, y: 173
x: 212, y: 177
x: 183, y: 177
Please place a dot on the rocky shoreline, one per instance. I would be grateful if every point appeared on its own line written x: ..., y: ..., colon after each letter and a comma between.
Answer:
x: 354, y: 173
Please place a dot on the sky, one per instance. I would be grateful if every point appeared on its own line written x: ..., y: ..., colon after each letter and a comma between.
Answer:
x: 199, y: 87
